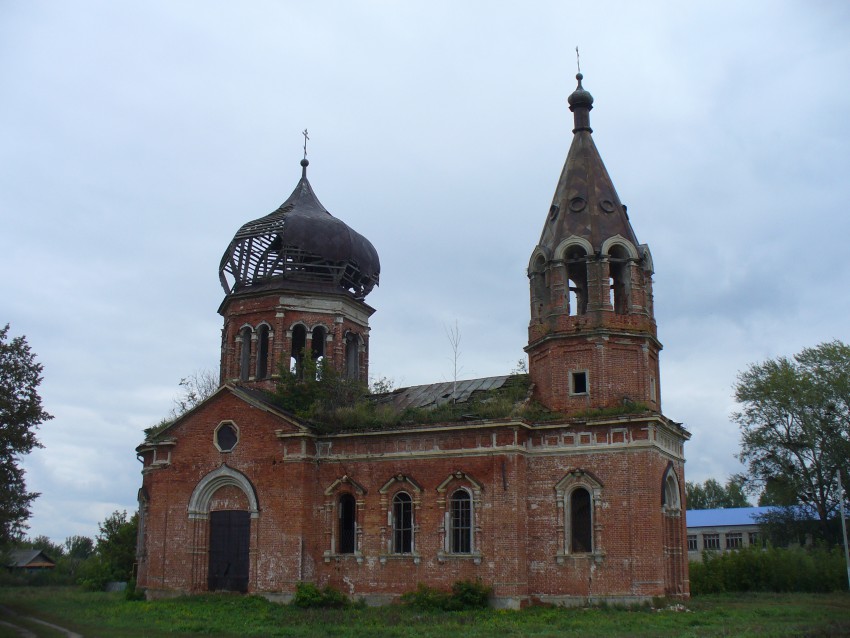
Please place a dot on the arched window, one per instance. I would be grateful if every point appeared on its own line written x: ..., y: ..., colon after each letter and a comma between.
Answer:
x: 460, y: 523
x: 352, y: 356
x: 347, y: 524
x: 581, y: 521
x: 245, y: 354
x: 618, y: 279
x: 576, y: 262
x: 402, y: 523
x: 263, y: 352
x: 670, y: 498
x: 318, y: 342
x: 317, y: 348
x: 299, y: 342
x: 539, y: 287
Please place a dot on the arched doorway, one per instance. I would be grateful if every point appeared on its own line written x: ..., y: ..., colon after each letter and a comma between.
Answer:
x: 226, y: 502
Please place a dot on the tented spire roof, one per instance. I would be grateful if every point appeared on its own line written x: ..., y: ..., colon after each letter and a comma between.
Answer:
x: 586, y: 203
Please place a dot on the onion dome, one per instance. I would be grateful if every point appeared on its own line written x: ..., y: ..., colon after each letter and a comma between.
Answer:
x: 586, y: 203
x: 300, y: 243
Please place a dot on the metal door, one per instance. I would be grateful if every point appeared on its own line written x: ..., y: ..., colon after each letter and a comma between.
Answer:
x: 230, y: 533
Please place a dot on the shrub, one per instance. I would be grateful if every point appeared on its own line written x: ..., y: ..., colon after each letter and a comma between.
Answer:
x: 424, y: 597
x: 465, y: 594
x: 470, y: 594
x: 308, y: 595
x: 815, y: 570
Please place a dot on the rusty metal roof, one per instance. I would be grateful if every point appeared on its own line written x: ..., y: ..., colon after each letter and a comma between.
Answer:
x: 586, y: 203
x: 435, y: 394
x: 300, y: 242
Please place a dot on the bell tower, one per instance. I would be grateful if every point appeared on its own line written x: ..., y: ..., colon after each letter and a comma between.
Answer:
x: 592, y: 340
x: 295, y: 283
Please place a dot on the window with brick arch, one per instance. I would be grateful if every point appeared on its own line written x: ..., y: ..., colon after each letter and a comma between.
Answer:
x: 581, y: 523
x: 460, y: 522
x: 263, y: 352
x: 402, y: 519
x: 245, y: 354
x: 347, y: 524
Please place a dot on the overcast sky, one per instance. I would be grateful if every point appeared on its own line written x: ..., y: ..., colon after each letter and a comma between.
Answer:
x: 136, y: 137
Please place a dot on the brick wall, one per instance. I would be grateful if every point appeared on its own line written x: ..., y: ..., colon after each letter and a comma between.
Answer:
x: 511, y: 469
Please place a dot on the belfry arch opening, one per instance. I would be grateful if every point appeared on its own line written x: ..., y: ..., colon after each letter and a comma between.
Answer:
x: 618, y: 279
x: 539, y: 287
x: 317, y: 347
x: 576, y: 264
x: 299, y: 343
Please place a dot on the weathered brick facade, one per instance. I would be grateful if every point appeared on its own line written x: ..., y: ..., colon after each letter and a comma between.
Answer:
x: 583, y: 506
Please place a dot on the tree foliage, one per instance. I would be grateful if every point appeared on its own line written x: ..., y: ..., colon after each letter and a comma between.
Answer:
x: 315, y: 391
x: 795, y: 427
x: 114, y: 552
x: 194, y: 389
x: 21, y: 413
x: 713, y: 495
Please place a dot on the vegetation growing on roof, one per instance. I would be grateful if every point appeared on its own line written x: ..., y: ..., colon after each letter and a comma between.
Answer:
x: 332, y: 403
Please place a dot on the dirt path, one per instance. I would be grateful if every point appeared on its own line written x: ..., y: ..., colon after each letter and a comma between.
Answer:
x: 23, y: 632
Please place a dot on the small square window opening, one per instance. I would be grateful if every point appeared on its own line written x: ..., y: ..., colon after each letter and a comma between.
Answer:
x: 578, y: 382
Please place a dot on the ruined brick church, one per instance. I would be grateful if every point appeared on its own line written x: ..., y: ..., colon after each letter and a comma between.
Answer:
x: 578, y: 500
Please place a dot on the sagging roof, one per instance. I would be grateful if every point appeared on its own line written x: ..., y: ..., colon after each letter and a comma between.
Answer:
x: 436, y: 394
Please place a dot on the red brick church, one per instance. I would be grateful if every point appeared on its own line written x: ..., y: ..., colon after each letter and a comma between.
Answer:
x: 579, y: 499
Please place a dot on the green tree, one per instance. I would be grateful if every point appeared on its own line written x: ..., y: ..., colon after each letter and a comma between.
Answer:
x: 116, y: 544
x: 79, y: 547
x: 21, y: 413
x: 712, y: 495
x: 795, y: 427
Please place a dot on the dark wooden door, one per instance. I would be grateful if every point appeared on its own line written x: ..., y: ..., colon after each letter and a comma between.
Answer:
x: 230, y: 533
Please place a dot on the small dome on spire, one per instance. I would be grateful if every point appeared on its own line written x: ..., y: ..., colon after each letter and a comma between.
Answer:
x: 580, y: 97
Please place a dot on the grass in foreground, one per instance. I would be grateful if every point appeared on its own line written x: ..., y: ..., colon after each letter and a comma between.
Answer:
x: 99, y: 614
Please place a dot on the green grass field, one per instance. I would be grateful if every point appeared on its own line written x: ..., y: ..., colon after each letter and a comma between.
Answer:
x: 109, y: 615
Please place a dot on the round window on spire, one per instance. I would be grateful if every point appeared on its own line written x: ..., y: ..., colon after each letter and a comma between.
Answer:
x: 577, y: 204
x: 607, y: 205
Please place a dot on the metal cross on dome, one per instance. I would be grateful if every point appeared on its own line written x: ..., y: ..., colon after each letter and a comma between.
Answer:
x: 306, y: 137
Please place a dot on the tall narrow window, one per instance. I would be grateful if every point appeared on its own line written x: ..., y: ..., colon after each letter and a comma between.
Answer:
x: 460, y: 524
x: 299, y: 342
x: 581, y: 525
x: 352, y: 356
x: 402, y: 523
x: 618, y: 279
x: 263, y: 352
x: 317, y: 348
x: 347, y: 524
x: 576, y: 260
x: 245, y: 354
